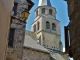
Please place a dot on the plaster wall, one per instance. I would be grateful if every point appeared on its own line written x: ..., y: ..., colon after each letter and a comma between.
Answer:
x: 5, y: 12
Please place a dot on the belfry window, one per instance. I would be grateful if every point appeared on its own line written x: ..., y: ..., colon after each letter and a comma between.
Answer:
x: 37, y: 13
x: 50, y: 11
x: 47, y: 25
x: 38, y: 25
x: 43, y: 11
x: 53, y: 27
x: 34, y: 28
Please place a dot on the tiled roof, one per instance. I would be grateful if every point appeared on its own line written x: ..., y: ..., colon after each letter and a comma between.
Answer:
x: 30, y: 43
x: 56, y: 56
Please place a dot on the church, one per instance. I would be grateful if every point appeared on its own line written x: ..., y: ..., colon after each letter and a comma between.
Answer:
x: 43, y: 42
x: 46, y: 26
x: 45, y: 30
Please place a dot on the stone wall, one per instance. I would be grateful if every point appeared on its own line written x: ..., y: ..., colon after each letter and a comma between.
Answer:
x: 74, y: 15
x: 17, y: 49
x: 31, y: 54
x: 5, y: 12
x: 11, y: 54
x: 31, y: 34
x: 19, y: 40
x: 15, y: 52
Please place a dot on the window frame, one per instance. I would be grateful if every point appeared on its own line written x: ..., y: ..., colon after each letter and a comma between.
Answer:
x: 47, y: 25
x: 43, y: 10
x: 40, y: 40
x: 53, y: 26
x: 36, y: 13
x: 34, y: 27
x: 38, y: 25
x: 50, y: 11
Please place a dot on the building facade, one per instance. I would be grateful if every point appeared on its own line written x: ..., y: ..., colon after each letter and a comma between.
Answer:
x: 5, y: 13
x: 74, y: 13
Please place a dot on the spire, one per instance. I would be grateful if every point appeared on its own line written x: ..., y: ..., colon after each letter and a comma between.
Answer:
x: 44, y: 2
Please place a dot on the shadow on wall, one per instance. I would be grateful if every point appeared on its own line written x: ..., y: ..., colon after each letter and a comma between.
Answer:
x: 8, y: 58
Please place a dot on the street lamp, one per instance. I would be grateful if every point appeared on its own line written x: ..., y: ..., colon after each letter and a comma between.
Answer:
x: 25, y: 14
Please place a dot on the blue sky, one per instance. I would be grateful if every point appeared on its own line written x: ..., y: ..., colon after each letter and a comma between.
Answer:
x: 62, y: 15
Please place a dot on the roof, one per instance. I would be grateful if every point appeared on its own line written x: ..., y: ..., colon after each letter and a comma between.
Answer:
x: 31, y: 34
x: 31, y: 4
x: 30, y: 43
x: 44, y: 2
x: 57, y: 56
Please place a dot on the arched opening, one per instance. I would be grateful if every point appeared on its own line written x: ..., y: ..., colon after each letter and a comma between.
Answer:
x: 34, y: 28
x: 36, y: 13
x: 43, y: 11
x: 50, y: 11
x: 53, y: 27
x: 47, y: 25
x: 38, y: 25
x: 40, y: 40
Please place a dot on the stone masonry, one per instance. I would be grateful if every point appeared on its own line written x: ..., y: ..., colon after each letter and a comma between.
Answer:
x: 16, y: 52
x: 32, y: 54
x: 74, y: 27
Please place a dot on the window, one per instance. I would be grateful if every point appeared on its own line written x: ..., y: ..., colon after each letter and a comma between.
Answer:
x: 53, y: 27
x: 47, y: 25
x: 43, y: 10
x: 11, y: 37
x: 15, y: 8
x: 40, y: 40
x: 34, y: 28
x: 38, y: 25
x: 50, y: 11
x: 37, y: 13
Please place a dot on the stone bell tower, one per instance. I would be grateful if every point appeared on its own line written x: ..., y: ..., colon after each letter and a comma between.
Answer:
x: 46, y: 26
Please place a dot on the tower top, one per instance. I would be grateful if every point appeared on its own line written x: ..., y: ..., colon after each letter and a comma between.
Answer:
x: 44, y: 2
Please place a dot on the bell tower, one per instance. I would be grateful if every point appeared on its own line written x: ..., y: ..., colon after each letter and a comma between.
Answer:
x: 46, y: 26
